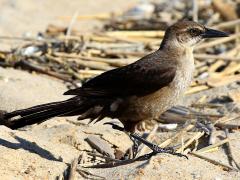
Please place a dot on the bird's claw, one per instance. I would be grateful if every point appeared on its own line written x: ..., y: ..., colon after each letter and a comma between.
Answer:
x: 135, y: 147
x: 180, y: 155
x: 155, y: 148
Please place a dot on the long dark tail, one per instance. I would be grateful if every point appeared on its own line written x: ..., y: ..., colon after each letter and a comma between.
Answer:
x: 40, y: 113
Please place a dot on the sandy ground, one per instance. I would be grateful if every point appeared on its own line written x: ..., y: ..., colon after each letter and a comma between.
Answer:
x: 45, y: 151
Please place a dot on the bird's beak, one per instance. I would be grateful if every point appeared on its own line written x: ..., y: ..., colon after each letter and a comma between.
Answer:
x: 212, y: 33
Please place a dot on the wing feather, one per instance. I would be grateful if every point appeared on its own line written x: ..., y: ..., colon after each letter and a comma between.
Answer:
x: 135, y: 79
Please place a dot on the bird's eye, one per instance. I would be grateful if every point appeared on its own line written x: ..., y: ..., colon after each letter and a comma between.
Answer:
x: 195, y: 32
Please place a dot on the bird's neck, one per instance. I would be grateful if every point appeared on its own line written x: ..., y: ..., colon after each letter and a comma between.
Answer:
x: 176, y: 49
x: 173, y: 46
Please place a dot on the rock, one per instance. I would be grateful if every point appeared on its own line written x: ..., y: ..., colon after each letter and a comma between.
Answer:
x: 100, y: 145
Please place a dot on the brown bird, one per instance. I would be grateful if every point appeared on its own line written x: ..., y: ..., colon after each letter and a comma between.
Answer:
x: 137, y: 92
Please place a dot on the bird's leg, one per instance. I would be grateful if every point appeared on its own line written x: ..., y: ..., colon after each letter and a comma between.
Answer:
x: 135, y: 146
x: 155, y: 148
x: 137, y: 140
x: 136, y: 143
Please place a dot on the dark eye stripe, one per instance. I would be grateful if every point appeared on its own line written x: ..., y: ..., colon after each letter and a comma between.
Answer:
x: 195, y: 31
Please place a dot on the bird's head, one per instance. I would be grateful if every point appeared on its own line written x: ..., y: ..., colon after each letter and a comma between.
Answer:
x: 188, y: 33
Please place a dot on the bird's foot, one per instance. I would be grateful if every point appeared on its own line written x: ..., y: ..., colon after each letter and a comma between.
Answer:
x: 135, y: 147
x: 135, y: 137
x: 155, y: 148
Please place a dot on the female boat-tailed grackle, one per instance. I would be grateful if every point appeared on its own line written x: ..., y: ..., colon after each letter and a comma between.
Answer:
x: 137, y: 92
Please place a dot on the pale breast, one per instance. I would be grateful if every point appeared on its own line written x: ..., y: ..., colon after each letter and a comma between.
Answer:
x: 184, y: 73
x: 153, y: 105
x: 182, y: 80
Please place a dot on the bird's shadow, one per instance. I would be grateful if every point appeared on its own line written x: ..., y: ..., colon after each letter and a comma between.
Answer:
x: 29, y: 146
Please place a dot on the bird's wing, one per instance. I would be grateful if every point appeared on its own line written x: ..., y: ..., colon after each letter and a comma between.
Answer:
x: 135, y: 79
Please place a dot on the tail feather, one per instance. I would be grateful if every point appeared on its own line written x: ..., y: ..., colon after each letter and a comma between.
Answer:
x: 38, y: 108
x: 40, y: 113
x: 86, y: 108
x: 41, y: 116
